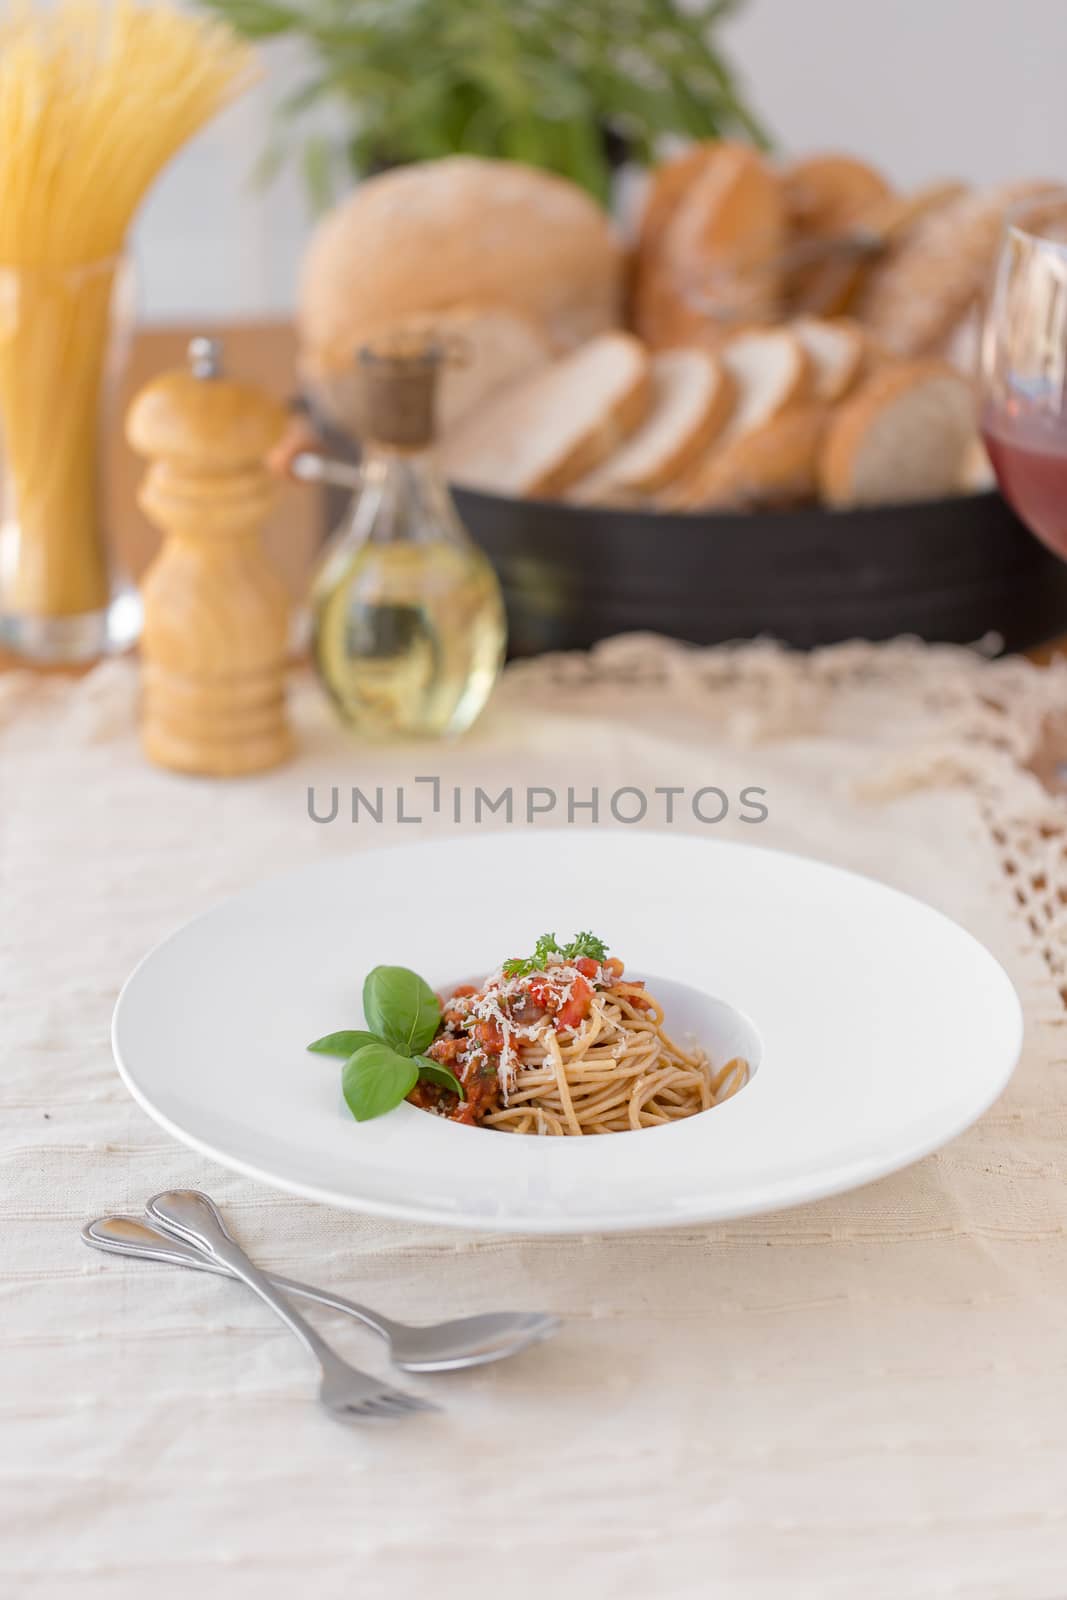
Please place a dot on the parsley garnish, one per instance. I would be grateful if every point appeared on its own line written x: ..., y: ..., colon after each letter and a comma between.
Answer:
x: 586, y: 944
x: 583, y: 944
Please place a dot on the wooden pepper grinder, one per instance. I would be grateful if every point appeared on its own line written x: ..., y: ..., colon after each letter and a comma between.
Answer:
x: 216, y: 615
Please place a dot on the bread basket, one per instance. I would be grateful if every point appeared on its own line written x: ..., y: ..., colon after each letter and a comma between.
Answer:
x: 949, y: 571
x: 946, y: 570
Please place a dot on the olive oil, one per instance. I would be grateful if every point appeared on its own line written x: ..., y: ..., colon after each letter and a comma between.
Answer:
x: 409, y: 638
x: 408, y: 623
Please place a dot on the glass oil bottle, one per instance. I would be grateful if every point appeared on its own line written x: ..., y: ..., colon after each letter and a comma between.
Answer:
x: 408, y: 627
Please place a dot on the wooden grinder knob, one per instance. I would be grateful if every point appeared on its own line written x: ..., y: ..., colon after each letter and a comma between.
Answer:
x: 216, y: 614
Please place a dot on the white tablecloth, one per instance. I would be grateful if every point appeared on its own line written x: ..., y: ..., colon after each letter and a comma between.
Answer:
x: 863, y: 1397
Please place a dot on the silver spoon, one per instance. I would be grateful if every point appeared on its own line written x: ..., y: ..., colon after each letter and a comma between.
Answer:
x: 437, y: 1347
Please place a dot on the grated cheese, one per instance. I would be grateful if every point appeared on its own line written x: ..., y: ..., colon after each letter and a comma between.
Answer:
x: 490, y: 1006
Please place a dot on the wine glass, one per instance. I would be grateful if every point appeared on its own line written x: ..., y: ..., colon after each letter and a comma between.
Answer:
x: 1024, y: 366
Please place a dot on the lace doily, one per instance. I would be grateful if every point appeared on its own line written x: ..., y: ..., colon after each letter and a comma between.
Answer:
x: 949, y: 716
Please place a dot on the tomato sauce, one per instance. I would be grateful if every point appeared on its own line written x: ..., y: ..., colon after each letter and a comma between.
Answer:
x: 473, y: 1045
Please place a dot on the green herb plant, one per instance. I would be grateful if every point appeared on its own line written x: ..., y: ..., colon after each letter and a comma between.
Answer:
x: 384, y: 1061
x: 569, y: 85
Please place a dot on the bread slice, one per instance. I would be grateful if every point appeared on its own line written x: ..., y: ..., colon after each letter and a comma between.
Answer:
x: 776, y: 465
x: 770, y: 370
x: 715, y: 263
x: 901, y: 436
x: 772, y: 376
x: 836, y: 351
x: 541, y: 435
x: 692, y: 396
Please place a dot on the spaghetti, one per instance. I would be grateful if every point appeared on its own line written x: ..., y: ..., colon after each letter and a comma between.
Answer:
x: 564, y: 1045
x: 94, y: 101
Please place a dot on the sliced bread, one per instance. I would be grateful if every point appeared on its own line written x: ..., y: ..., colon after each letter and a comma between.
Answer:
x: 772, y: 377
x: 770, y: 370
x: 692, y: 397
x: 902, y: 435
x: 541, y: 435
x: 776, y: 465
x: 836, y: 351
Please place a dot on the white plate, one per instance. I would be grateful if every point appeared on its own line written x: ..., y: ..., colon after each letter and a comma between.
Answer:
x: 883, y: 1028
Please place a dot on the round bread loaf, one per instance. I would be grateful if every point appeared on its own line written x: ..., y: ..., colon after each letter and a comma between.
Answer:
x: 458, y: 232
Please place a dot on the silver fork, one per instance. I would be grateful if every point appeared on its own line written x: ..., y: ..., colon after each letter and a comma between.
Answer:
x: 346, y: 1392
x: 432, y: 1347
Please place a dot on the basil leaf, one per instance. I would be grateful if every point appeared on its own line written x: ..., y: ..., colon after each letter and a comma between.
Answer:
x: 401, y: 1008
x: 376, y: 1079
x: 343, y: 1044
x: 434, y: 1072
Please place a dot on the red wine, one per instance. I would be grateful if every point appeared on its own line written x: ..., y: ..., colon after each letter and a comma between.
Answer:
x: 1030, y: 461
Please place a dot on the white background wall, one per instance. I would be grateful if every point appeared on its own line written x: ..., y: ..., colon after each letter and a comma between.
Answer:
x: 924, y: 88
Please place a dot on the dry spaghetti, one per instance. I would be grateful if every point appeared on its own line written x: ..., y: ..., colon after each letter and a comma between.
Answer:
x: 94, y: 101
x: 565, y: 1046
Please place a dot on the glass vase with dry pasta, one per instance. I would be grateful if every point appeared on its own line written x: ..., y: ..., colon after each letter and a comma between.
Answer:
x: 563, y: 1042
x: 95, y: 98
